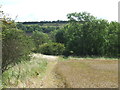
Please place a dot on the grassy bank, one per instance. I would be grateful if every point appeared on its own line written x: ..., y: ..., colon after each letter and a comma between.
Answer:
x: 25, y: 74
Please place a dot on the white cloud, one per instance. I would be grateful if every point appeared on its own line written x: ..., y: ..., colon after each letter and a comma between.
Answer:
x: 38, y: 10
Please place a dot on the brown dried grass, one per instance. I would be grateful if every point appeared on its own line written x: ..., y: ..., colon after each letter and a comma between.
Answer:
x: 89, y: 73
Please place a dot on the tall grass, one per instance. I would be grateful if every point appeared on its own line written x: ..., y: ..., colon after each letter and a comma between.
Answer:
x: 23, y: 72
x: 1, y: 82
x: 100, y: 58
x: 62, y: 58
x: 88, y: 73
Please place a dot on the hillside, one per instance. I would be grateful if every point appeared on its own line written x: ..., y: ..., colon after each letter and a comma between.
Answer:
x: 45, y: 23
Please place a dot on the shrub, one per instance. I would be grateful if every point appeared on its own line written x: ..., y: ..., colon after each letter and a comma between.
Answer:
x: 39, y: 38
x: 16, y: 46
x: 52, y: 48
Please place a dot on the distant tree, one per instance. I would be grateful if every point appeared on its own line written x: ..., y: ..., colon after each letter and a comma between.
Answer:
x: 48, y: 29
x: 52, y: 35
x: 40, y: 38
x: 52, y: 48
x: 60, y: 36
x: 21, y: 26
x: 82, y: 16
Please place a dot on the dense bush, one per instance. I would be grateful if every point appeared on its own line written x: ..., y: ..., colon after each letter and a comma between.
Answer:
x: 52, y: 49
x: 85, y: 35
x: 60, y: 36
x: 39, y: 39
x: 36, y: 27
x: 16, y: 46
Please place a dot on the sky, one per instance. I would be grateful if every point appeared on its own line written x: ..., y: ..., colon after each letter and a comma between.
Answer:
x: 49, y: 10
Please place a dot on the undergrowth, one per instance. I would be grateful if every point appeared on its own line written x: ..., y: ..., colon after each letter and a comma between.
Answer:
x: 23, y: 72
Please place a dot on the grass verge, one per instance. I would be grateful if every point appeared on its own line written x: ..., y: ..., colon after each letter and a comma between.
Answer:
x: 62, y: 58
x: 25, y: 74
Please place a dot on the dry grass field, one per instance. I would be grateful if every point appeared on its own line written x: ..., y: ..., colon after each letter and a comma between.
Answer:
x: 88, y: 73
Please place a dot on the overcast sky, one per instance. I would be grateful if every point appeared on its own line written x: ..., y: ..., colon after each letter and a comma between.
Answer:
x: 49, y: 10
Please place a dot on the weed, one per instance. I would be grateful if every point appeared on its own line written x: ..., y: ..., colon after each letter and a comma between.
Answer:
x: 22, y: 72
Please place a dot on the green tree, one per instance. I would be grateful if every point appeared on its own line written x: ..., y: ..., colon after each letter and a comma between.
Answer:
x: 113, y: 40
x: 82, y: 17
x: 21, y: 26
x: 52, y: 48
x: 16, y: 46
x: 40, y: 38
x: 60, y: 36
x: 52, y: 35
x: 85, y: 35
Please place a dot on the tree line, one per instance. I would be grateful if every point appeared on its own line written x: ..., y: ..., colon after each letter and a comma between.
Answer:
x: 44, y: 22
x: 82, y: 35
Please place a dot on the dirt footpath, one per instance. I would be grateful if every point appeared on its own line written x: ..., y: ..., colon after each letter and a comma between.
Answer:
x: 51, y: 79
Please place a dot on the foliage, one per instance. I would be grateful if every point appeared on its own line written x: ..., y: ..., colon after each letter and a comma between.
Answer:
x: 113, y: 39
x: 48, y: 29
x: 32, y: 28
x: 52, y: 49
x: 82, y: 17
x: 82, y: 35
x: 16, y: 46
x: 60, y: 36
x: 52, y: 35
x: 39, y: 38
x: 85, y: 35
x: 21, y: 26
x: 23, y: 72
